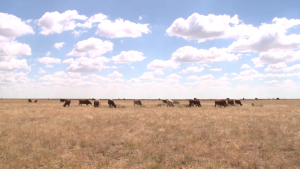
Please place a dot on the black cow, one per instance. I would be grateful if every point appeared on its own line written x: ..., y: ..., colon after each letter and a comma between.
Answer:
x: 35, y: 101
x: 84, y: 101
x: 62, y: 100
x: 138, y: 102
x: 111, y: 103
x: 67, y: 102
x: 29, y: 101
x: 194, y: 102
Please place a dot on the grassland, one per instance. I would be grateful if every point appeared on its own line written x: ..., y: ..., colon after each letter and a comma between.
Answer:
x: 48, y: 135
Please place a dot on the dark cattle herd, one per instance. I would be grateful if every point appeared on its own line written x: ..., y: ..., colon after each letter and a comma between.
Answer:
x: 195, y: 102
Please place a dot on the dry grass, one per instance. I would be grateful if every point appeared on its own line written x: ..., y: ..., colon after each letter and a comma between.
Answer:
x: 47, y: 135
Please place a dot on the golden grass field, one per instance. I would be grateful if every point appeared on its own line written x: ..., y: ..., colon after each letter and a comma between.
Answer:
x: 48, y: 135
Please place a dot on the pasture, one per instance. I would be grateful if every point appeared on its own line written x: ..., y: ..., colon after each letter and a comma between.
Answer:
x: 47, y: 135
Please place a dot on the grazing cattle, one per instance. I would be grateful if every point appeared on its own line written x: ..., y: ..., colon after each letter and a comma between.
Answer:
x: 29, y: 101
x: 111, y: 103
x: 256, y: 98
x: 230, y: 102
x: 170, y: 103
x: 35, y: 101
x: 84, y: 101
x: 138, y: 102
x: 243, y: 98
x: 164, y: 101
x: 277, y: 98
x: 194, y: 102
x: 238, y: 102
x: 67, y: 102
x: 220, y: 103
x: 96, y: 103
x: 62, y: 100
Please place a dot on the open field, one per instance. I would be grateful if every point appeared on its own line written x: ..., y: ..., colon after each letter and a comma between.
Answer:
x: 48, y: 135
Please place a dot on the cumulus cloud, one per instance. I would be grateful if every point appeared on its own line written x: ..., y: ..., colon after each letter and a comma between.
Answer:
x: 202, y: 28
x: 245, y: 66
x: 270, y: 38
x: 14, y: 64
x: 151, y: 75
x: 272, y: 81
x: 192, y: 69
x: 161, y: 64
x: 293, y: 68
x: 12, y: 27
x: 128, y: 57
x: 204, y: 77
x: 140, y: 17
x: 12, y: 50
x: 158, y: 72
x: 121, y: 28
x: 276, y: 57
x: 84, y: 64
x: 115, y: 74
x: 55, y: 22
x: 216, y: 69
x: 93, y: 47
x: 173, y: 76
x: 42, y: 71
x: 247, y: 75
x: 59, y: 45
x: 276, y: 67
x: 48, y: 60
x: 191, y: 54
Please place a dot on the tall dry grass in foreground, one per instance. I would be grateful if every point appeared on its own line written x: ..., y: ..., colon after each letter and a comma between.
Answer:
x: 47, y: 135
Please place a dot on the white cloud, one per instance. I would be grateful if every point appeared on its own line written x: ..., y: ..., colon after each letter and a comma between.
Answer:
x: 77, y: 33
x: 12, y: 50
x: 276, y: 67
x: 128, y: 57
x: 147, y: 76
x: 191, y: 54
x: 42, y: 71
x: 140, y: 17
x: 158, y: 72
x: 97, y: 18
x: 173, y: 76
x: 272, y: 81
x: 132, y: 67
x: 161, y: 64
x: 245, y: 66
x: 133, y: 80
x: 12, y: 27
x: 204, y: 77
x: 276, y: 57
x: 84, y: 64
x: 14, y: 64
x: 115, y: 74
x: 59, y: 45
x: 55, y: 22
x: 293, y: 68
x: 48, y: 60
x: 270, y: 38
x: 247, y: 75
x: 202, y: 28
x: 216, y: 69
x: 93, y: 47
x: 121, y: 28
x: 192, y: 69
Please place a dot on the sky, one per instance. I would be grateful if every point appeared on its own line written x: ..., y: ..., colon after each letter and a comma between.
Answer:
x: 136, y: 49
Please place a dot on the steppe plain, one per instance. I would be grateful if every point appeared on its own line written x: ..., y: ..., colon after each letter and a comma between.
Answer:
x: 259, y: 134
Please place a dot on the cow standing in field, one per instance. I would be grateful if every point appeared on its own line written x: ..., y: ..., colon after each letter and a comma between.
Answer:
x: 164, y: 101
x: 29, y: 101
x: 194, y: 102
x: 137, y: 102
x: 96, y: 103
x: 170, y: 103
x: 111, y: 103
x: 221, y: 103
x: 230, y: 102
x: 84, y: 101
x: 62, y: 100
x: 238, y: 102
x: 35, y: 101
x: 67, y: 102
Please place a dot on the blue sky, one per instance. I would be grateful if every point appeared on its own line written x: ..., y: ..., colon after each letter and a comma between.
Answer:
x: 149, y: 49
